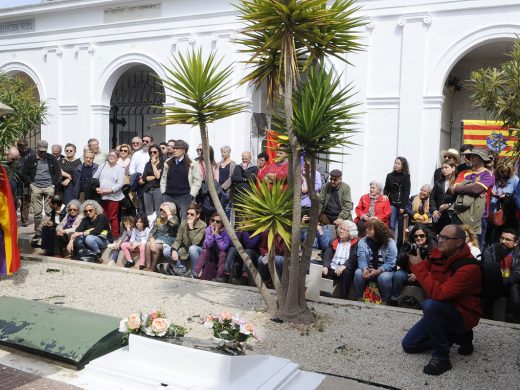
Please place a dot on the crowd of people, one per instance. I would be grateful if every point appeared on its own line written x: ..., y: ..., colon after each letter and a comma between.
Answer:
x: 153, y: 199
x: 151, y: 203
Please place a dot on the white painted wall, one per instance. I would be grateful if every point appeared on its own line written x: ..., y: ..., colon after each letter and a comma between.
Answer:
x: 75, y: 57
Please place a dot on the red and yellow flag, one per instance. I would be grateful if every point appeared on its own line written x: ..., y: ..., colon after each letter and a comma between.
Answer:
x: 488, y: 134
x: 9, y: 252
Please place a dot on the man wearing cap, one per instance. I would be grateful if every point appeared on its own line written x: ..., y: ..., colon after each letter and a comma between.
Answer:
x: 181, y: 179
x: 476, y: 185
x: 42, y: 173
x: 447, y: 156
x: 336, y: 203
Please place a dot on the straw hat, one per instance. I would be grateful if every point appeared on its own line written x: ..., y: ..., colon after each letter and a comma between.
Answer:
x: 451, y: 152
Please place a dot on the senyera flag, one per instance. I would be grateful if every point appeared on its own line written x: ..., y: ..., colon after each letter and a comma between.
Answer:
x: 488, y: 134
x: 9, y: 252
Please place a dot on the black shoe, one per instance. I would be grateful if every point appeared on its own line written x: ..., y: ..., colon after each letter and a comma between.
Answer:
x: 392, y: 303
x: 219, y: 280
x: 129, y: 264
x: 466, y: 344
x: 437, y: 366
x: 141, y: 267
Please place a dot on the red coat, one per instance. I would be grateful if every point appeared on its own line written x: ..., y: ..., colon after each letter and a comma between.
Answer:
x: 462, y: 289
x: 281, y: 171
x: 382, y: 208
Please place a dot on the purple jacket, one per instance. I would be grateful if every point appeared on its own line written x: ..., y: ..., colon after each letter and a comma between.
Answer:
x: 222, y: 240
x: 249, y: 242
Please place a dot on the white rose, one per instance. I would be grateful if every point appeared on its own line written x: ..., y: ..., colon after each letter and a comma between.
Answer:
x: 123, y: 325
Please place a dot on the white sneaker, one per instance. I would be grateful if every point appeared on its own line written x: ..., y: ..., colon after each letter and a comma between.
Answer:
x: 111, y: 246
x: 111, y: 262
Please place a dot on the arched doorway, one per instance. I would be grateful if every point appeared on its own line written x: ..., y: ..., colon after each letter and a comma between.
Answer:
x: 34, y: 135
x: 457, y: 104
x: 135, y: 104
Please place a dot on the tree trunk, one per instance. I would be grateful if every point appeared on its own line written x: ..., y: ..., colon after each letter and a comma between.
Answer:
x: 269, y: 300
x: 295, y: 307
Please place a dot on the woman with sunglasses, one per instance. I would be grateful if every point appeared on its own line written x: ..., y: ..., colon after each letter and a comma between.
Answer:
x: 212, y: 260
x: 68, y: 166
x: 92, y: 235
x: 422, y: 238
x: 125, y: 156
x: 152, y: 181
x: 163, y: 232
x: 68, y: 226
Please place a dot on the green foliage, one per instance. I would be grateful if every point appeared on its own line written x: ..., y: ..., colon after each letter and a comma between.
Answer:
x: 28, y: 113
x: 497, y: 91
x: 305, y: 31
x: 322, y: 117
x: 266, y: 207
x: 202, y: 88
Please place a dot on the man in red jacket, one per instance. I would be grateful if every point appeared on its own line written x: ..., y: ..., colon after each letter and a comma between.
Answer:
x: 452, y: 308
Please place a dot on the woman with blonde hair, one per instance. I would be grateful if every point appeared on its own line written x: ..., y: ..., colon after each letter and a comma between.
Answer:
x: 472, y: 241
x: 163, y: 232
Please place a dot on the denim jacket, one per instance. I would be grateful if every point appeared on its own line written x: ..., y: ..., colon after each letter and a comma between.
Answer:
x: 388, y: 253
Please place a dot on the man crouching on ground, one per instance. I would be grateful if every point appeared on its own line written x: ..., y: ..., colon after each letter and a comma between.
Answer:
x: 451, y: 279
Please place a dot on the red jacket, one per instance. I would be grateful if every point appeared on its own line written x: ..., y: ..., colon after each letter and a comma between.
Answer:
x: 382, y: 208
x: 462, y: 289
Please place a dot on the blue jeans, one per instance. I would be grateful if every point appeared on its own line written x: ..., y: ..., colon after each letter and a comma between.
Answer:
x: 263, y: 268
x: 384, y: 283
x: 194, y: 251
x: 394, y: 218
x: 234, y: 257
x: 440, y: 325
x: 399, y: 279
x: 94, y: 243
x: 321, y: 242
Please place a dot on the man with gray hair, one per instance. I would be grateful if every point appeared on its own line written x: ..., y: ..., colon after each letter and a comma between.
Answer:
x: 336, y: 203
x: 451, y: 279
x: 56, y: 150
x: 99, y: 156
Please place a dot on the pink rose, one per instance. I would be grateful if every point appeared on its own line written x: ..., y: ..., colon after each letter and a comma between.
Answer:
x: 134, y: 321
x: 160, y: 326
x: 226, y: 316
x: 247, y: 329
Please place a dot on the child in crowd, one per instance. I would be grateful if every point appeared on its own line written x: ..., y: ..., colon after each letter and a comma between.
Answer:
x: 137, y: 242
x: 128, y: 223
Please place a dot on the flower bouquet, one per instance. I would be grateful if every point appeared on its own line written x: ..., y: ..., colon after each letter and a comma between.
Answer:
x: 230, y: 332
x: 154, y: 324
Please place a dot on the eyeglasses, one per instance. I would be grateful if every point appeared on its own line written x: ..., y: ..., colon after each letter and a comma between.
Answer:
x: 154, y: 152
x: 419, y: 236
x: 112, y: 155
x: 146, y: 141
x: 199, y: 150
x: 69, y: 151
x: 442, y: 238
x: 191, y: 214
x: 136, y: 143
x: 89, y: 211
x: 212, y: 220
x: 71, y: 210
x: 335, y: 178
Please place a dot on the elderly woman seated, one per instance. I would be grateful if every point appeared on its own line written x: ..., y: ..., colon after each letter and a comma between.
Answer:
x: 92, y: 235
x: 373, y: 205
x: 376, y: 253
x: 340, y: 258
x: 418, y: 207
x: 162, y: 235
x: 68, y: 226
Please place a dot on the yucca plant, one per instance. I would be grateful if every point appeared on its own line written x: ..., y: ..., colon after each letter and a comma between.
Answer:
x: 202, y: 87
x: 284, y: 38
x: 497, y: 92
x: 266, y: 207
x: 28, y: 112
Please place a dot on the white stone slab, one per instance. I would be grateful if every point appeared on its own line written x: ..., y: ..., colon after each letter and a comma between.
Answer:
x: 153, y: 364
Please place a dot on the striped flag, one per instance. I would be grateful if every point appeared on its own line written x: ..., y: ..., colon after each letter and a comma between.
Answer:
x: 488, y: 134
x: 9, y: 252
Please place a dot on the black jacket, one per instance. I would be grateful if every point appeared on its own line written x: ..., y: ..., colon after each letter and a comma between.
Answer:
x: 439, y: 197
x: 397, y: 188
x: 240, y: 178
x: 29, y: 169
x: 99, y: 227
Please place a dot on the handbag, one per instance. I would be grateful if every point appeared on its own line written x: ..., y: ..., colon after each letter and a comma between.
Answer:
x: 372, y: 294
x: 497, y: 218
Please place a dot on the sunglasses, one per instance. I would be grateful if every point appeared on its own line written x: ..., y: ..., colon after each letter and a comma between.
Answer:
x: 176, y: 148
x: 124, y: 150
x: 419, y: 236
x: 212, y: 220
x: 146, y: 141
x: 191, y: 214
x: 162, y: 210
x: 199, y: 150
x: 89, y: 211
x: 69, y: 151
x: 154, y: 152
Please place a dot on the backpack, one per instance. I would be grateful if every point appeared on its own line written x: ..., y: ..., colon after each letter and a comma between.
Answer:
x: 491, y: 277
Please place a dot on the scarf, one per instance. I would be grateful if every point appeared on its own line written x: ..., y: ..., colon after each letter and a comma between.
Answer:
x: 372, y: 207
x: 70, y: 220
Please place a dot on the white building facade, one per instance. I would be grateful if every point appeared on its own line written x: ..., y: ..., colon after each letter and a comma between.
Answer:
x: 91, y: 61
